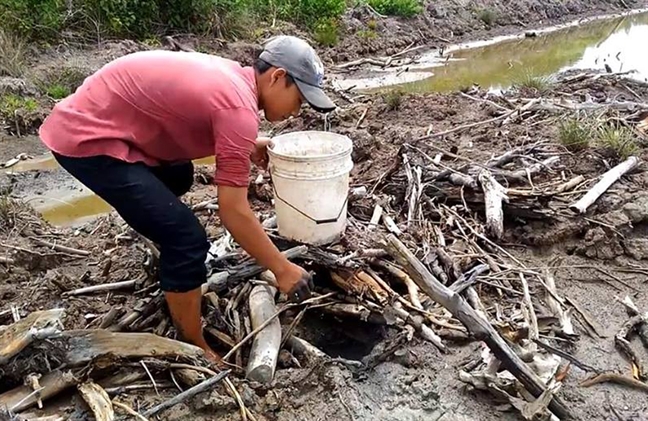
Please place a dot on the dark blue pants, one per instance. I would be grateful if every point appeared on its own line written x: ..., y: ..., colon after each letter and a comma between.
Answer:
x: 147, y: 199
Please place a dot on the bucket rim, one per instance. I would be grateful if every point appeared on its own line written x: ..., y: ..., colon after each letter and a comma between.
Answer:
x: 346, y: 151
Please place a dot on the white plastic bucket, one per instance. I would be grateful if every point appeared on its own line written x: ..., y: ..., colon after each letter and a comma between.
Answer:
x: 310, y: 174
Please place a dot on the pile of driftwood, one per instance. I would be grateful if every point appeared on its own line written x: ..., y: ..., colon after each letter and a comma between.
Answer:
x: 425, y: 261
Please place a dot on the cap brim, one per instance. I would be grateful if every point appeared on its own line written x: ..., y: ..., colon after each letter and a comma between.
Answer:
x: 316, y: 97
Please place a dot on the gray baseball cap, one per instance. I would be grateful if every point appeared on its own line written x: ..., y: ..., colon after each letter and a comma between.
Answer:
x: 302, y: 63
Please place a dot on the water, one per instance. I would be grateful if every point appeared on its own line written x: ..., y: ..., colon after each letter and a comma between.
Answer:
x: 618, y: 42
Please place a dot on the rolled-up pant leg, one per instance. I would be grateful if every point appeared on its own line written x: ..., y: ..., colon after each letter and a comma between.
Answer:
x: 147, y: 199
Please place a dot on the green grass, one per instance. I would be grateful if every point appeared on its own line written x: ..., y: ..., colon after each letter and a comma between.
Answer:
x: 619, y: 140
x: 326, y: 33
x: 405, y: 8
x: 574, y: 134
x: 488, y: 16
x: 146, y: 19
x: 13, y: 55
x: 58, y: 91
x: 10, y: 104
x: 539, y: 84
x: 393, y: 99
x: 367, y: 34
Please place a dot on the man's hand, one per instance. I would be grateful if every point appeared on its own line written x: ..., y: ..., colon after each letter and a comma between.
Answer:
x: 259, y: 156
x: 295, y: 282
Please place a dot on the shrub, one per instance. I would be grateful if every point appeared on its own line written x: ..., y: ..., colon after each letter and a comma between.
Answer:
x: 405, y: 8
x: 13, y: 55
x: 326, y: 32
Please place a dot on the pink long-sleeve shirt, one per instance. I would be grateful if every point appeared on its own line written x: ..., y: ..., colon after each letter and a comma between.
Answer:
x: 162, y: 106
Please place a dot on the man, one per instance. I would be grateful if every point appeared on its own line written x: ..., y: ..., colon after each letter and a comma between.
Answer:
x: 129, y: 134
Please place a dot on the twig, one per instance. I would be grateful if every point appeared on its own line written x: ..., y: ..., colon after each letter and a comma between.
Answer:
x: 206, y: 385
x: 590, y: 323
x: 615, y: 378
x: 533, y: 332
x: 129, y: 410
x: 566, y: 356
x: 271, y: 318
x: 58, y: 247
x: 100, y: 288
x: 151, y: 377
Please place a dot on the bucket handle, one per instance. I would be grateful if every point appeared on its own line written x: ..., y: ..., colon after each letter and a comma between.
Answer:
x: 317, y: 221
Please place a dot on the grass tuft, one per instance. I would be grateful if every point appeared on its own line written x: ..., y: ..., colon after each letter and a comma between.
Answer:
x: 393, y: 98
x: 404, y: 8
x: 540, y: 84
x: 574, y: 134
x: 11, y: 104
x: 488, y: 16
x: 620, y: 140
x: 13, y: 55
x: 326, y: 32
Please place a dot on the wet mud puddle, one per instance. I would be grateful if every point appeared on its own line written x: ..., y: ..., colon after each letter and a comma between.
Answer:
x: 613, y: 44
x: 61, y: 199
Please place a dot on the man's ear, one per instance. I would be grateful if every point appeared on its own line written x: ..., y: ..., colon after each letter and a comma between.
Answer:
x: 277, y: 74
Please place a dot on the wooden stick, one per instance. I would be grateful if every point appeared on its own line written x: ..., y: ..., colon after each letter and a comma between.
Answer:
x: 533, y: 330
x: 412, y: 288
x: 98, y: 401
x: 38, y: 325
x: 52, y: 384
x: 7, y: 260
x: 189, y: 393
x: 129, y: 410
x: 58, y: 247
x: 480, y: 328
x: 615, y: 378
x: 309, y: 351
x: 265, y: 346
x: 270, y: 319
x: 494, y: 195
x: 601, y: 187
x: 375, y: 218
x: 100, y: 288
x: 622, y: 342
x: 556, y: 305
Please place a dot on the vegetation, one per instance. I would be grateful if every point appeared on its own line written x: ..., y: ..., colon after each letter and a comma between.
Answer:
x: 13, y: 55
x: 488, y: 16
x: 11, y: 104
x: 393, y: 98
x: 529, y: 81
x: 59, y: 83
x: 405, y: 8
x: 326, y: 32
x: 619, y: 140
x: 46, y: 19
x: 574, y: 134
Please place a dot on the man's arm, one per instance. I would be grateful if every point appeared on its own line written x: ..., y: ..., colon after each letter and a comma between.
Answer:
x: 240, y: 221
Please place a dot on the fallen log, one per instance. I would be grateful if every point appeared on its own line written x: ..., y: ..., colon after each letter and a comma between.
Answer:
x: 478, y: 327
x: 265, y: 346
x: 98, y: 401
x: 38, y: 325
x: 75, y: 348
x: 604, y: 184
x: 494, y: 195
x: 24, y: 397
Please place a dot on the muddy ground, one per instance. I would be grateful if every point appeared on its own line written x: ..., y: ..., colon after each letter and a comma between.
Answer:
x: 418, y: 382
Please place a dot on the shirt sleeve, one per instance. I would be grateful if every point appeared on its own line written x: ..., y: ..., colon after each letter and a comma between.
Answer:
x: 235, y: 133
